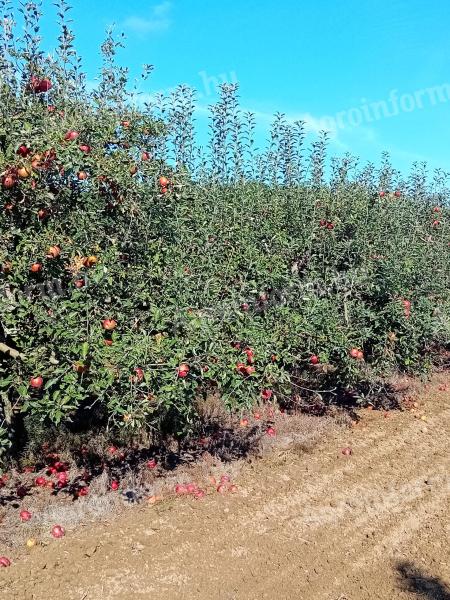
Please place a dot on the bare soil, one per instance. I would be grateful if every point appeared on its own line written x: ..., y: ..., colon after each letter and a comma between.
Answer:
x: 306, y: 524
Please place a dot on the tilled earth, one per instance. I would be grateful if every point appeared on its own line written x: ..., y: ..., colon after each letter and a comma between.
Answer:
x: 314, y: 525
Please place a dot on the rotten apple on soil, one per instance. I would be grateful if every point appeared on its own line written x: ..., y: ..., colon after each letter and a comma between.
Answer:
x: 57, y: 531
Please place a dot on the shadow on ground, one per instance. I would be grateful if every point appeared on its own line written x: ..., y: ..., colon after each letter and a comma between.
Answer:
x: 413, y: 579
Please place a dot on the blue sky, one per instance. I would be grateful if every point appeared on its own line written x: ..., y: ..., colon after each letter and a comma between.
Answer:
x: 324, y: 61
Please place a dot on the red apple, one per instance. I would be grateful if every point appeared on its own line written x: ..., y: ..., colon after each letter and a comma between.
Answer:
x: 71, y: 135
x: 139, y: 373
x: 183, y: 370
x: 58, y: 531
x: 266, y: 394
x: 53, y: 252
x: 109, y: 324
x: 44, y: 85
x: 23, y: 151
x: 36, y: 382
x: 36, y: 268
x: 8, y: 181
x: 25, y: 515
x: 314, y: 359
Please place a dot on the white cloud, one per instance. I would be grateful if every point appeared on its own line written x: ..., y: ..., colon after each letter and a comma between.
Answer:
x: 159, y: 20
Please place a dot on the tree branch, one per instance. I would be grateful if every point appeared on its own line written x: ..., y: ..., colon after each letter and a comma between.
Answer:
x: 13, y: 353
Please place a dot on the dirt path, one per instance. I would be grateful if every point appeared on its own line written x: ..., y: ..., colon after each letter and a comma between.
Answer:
x: 304, y: 526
